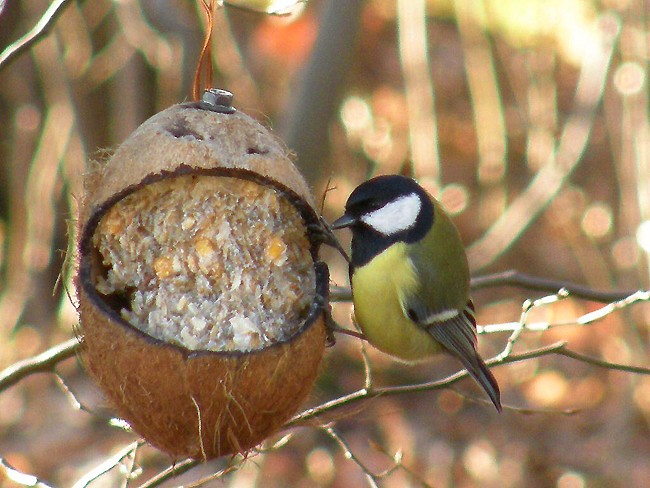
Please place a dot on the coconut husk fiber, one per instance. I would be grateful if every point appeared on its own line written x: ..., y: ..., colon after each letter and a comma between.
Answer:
x: 201, y: 404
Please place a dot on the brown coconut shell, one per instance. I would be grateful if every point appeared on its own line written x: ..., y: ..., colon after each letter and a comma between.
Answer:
x: 200, y: 404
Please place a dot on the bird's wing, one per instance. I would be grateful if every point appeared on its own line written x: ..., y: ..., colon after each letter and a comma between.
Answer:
x: 455, y: 330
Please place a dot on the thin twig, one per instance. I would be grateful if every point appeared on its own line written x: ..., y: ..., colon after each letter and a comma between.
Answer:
x: 131, y: 469
x: 218, y: 475
x: 363, y: 395
x: 170, y: 473
x: 347, y: 452
x: 44, y: 362
x: 526, y: 308
x: 19, y: 477
x: 525, y: 281
x: 602, y: 364
x: 586, y: 319
x: 367, y: 370
x: 638, y: 296
x: 486, y: 97
x: 518, y: 409
x: 72, y: 398
x: 41, y: 29
x: 397, y: 458
x: 537, y: 283
x: 111, y: 463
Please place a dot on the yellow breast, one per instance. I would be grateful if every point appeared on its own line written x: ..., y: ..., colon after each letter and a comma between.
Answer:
x: 377, y: 290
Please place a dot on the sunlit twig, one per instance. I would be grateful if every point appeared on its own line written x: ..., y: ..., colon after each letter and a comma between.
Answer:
x: 602, y: 364
x: 44, y: 362
x: 76, y: 404
x: 364, y: 395
x: 397, y: 458
x: 486, y: 98
x: 586, y: 319
x: 174, y: 470
x: 217, y: 475
x: 111, y: 463
x: 47, y: 361
x: 19, y: 477
x: 526, y: 308
x: 347, y: 452
x: 524, y: 281
x: 41, y: 29
x: 539, y: 283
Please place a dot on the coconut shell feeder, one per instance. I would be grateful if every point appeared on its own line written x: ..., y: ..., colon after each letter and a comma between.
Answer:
x: 202, y: 300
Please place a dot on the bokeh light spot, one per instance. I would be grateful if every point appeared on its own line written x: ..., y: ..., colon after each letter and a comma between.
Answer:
x: 571, y: 479
x: 480, y: 461
x: 454, y: 198
x: 355, y: 115
x: 625, y: 253
x: 547, y: 389
x: 320, y: 466
x: 589, y: 392
x: 643, y: 235
x: 629, y: 78
x: 597, y: 220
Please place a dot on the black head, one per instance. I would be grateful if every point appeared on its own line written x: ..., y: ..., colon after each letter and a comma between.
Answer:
x: 383, y: 211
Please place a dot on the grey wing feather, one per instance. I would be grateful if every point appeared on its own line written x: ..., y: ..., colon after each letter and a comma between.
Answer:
x: 457, y: 335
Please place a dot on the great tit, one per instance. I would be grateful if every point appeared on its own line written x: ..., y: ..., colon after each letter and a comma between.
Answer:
x: 410, y: 276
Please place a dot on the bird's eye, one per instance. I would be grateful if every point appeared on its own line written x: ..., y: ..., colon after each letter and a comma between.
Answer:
x: 372, y: 206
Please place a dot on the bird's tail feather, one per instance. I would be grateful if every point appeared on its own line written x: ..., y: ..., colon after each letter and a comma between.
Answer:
x: 458, y: 336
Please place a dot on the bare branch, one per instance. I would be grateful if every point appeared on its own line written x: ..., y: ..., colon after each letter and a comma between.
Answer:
x: 175, y: 470
x: 364, y: 395
x: 218, y: 475
x: 526, y: 308
x: 76, y: 404
x: 347, y: 452
x: 19, y: 477
x: 357, y: 400
x: 44, y: 362
x: 340, y: 294
x: 127, y: 453
x: 397, y: 458
x: 41, y: 29
x: 602, y: 364
x: 525, y: 281
x: 586, y: 319
x: 638, y: 296
x: 537, y: 283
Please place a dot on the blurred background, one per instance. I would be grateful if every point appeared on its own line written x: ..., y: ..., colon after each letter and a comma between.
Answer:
x: 528, y: 119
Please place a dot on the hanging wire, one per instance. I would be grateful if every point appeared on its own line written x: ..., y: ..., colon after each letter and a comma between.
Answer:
x: 204, y: 66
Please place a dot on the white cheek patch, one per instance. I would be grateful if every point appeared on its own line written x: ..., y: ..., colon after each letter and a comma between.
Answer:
x: 395, y: 216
